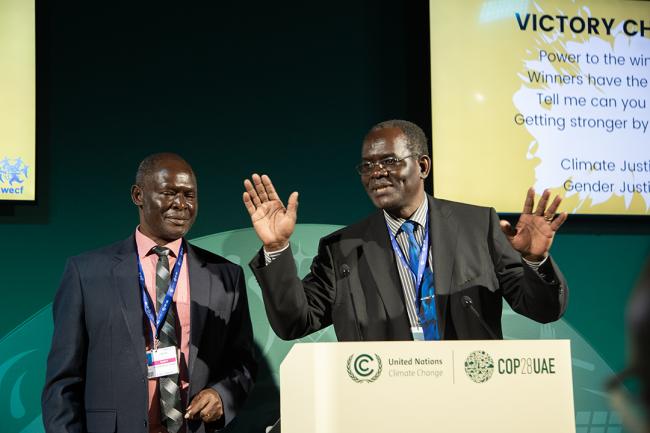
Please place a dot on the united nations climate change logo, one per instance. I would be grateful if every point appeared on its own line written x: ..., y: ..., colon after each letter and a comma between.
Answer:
x: 479, y: 366
x: 364, y: 368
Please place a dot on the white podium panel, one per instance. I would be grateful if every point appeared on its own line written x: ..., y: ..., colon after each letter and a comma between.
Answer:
x: 446, y: 386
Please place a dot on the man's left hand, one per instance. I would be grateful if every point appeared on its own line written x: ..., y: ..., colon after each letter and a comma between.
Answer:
x: 534, y: 232
x: 206, y: 405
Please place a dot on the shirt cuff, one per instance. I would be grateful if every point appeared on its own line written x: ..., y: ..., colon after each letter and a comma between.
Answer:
x: 270, y: 256
x: 535, y: 265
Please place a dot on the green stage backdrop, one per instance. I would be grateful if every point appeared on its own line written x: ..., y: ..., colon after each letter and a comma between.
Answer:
x: 24, y: 351
x: 286, y: 88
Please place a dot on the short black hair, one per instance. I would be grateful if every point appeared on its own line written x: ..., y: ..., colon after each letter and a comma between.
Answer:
x: 150, y: 163
x: 416, y: 139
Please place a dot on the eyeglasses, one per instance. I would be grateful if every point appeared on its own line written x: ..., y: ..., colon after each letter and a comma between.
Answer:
x: 390, y: 164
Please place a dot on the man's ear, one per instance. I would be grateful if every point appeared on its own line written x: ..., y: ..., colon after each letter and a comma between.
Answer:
x: 136, y: 195
x: 424, y: 163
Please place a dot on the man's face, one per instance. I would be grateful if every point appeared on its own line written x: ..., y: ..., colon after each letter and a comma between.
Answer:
x: 401, y: 186
x: 167, y: 201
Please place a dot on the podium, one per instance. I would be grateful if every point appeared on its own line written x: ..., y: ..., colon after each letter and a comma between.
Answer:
x: 440, y: 386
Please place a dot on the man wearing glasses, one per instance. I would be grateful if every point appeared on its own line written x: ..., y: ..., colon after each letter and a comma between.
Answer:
x: 419, y: 268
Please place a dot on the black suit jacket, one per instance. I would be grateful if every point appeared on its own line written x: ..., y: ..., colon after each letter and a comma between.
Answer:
x: 96, y: 371
x: 354, y: 283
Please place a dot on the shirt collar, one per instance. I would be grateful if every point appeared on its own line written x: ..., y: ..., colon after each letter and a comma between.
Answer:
x: 419, y: 216
x: 145, y: 244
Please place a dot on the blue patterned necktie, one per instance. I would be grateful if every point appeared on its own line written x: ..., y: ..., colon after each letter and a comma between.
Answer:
x: 425, y: 294
x: 170, y: 395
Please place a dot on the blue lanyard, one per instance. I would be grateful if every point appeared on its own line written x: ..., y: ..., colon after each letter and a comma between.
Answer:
x: 164, y: 308
x: 422, y: 261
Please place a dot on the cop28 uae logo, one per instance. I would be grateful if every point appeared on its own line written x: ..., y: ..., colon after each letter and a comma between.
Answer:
x: 479, y: 366
x: 364, y: 367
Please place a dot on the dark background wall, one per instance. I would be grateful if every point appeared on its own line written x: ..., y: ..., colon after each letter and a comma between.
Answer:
x: 286, y: 88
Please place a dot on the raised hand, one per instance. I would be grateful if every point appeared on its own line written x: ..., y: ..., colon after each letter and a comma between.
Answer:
x: 272, y: 222
x: 534, y: 232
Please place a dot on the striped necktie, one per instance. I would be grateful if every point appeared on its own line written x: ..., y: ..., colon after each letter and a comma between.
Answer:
x: 425, y: 294
x: 169, y: 391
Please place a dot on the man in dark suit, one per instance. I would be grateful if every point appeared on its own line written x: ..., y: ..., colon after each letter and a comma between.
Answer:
x: 104, y: 371
x: 418, y: 268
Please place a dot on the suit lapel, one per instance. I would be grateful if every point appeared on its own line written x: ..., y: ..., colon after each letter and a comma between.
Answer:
x: 443, y: 246
x: 125, y: 283
x: 199, y: 302
x: 377, y: 250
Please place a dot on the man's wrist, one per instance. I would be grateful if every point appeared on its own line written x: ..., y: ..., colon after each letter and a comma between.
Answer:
x: 534, y: 264
x: 531, y: 258
x: 276, y: 247
x: 269, y: 256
